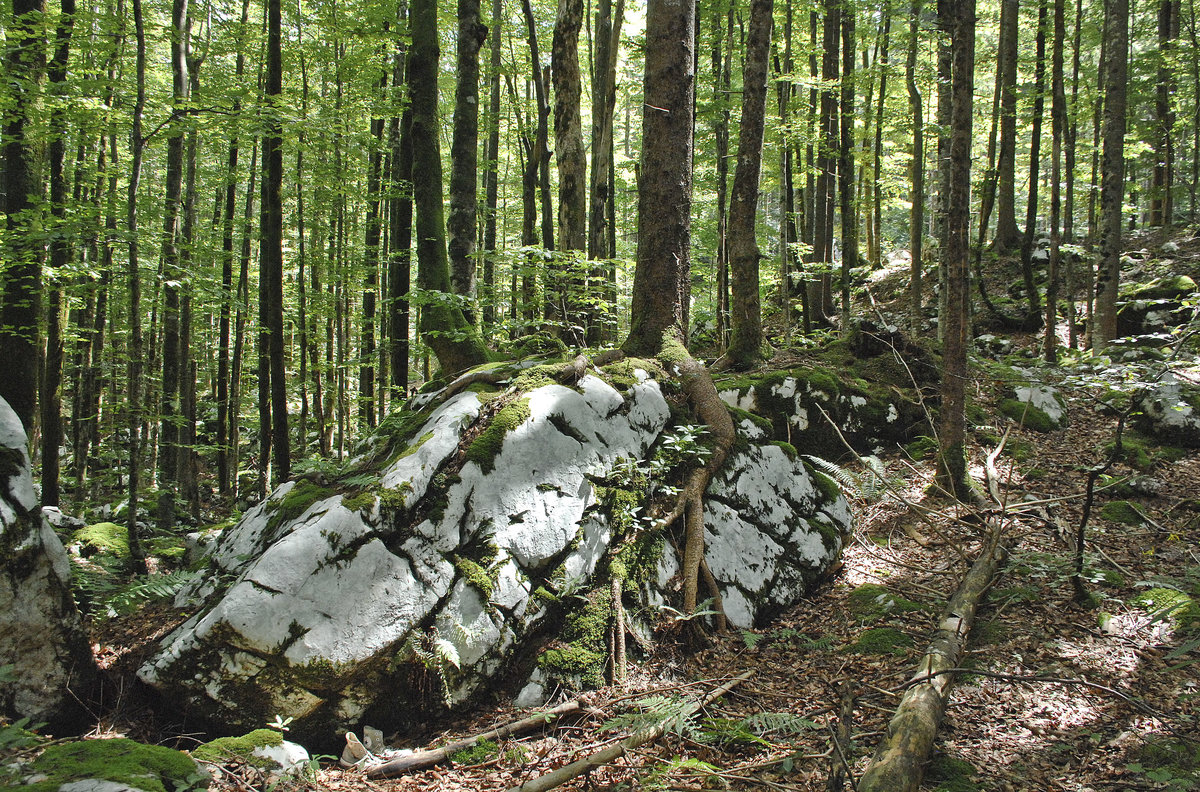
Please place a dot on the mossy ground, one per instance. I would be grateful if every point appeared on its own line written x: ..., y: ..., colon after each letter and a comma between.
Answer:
x: 1179, y: 608
x: 871, y: 602
x: 241, y: 748
x: 153, y: 768
x: 882, y: 641
x: 1122, y: 512
x: 478, y: 753
x: 948, y: 774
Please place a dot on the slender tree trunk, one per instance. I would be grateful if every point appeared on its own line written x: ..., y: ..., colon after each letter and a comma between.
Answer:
x: 137, y: 554
x: 491, y: 176
x: 849, y: 211
x: 60, y: 256
x: 272, y: 256
x: 572, y: 163
x: 372, y: 233
x: 721, y: 57
x: 401, y: 237
x: 959, y: 17
x: 600, y: 185
x: 1007, y: 234
x: 916, y: 223
x: 1058, y: 122
x: 443, y: 325
x: 1161, y: 203
x: 20, y: 181
x: 1112, y: 180
x: 745, y: 345
x: 1071, y: 135
x: 877, y: 188
x: 464, y: 156
x: 1035, y: 154
x: 170, y: 265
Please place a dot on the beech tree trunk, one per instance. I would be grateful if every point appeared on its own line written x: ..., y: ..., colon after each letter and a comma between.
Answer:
x: 272, y: 245
x: 959, y: 18
x: 916, y: 218
x: 1007, y: 235
x: 443, y: 326
x: 1112, y: 177
x: 846, y: 192
x: 745, y: 345
x: 462, y: 220
x: 570, y: 272
x: 19, y: 190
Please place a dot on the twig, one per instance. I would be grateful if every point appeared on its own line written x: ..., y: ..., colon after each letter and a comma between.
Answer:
x: 563, y: 774
x: 422, y: 759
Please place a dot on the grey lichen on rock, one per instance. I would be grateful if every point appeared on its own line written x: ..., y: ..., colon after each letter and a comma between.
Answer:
x: 483, y: 553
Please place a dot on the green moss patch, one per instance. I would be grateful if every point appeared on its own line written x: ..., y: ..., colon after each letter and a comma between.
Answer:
x: 106, y: 537
x: 484, y: 449
x: 295, y: 501
x: 948, y: 774
x: 622, y: 375
x: 882, y: 641
x: 1027, y: 415
x: 871, y: 602
x: 581, y: 652
x: 480, y: 752
x: 224, y: 749
x: 1123, y: 512
x: 1143, y: 453
x: 149, y: 767
x: 1164, y: 603
x: 924, y: 447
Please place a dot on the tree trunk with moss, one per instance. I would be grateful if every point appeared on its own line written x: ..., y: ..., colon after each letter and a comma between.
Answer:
x: 1112, y: 178
x: 443, y: 326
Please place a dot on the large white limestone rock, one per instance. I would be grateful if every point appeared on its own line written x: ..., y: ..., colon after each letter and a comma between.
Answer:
x: 336, y: 604
x: 40, y: 633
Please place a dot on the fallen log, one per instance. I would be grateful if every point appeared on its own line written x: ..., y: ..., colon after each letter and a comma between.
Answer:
x: 564, y: 774
x: 899, y: 761
x: 419, y: 760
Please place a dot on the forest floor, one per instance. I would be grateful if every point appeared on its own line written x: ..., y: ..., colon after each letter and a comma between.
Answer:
x: 1022, y: 721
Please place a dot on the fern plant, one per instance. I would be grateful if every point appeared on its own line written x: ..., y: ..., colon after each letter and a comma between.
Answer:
x: 672, y: 714
x: 869, y: 485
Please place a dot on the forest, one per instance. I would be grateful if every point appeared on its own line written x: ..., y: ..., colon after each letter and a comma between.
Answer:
x: 636, y: 361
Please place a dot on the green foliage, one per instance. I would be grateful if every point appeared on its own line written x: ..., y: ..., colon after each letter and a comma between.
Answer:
x: 673, y: 714
x: 480, y: 752
x: 104, y: 592
x: 153, y: 768
x: 869, y: 485
x: 484, y: 449
x: 1143, y: 453
x: 582, y: 648
x: 1170, y: 763
x: 882, y: 640
x: 241, y: 749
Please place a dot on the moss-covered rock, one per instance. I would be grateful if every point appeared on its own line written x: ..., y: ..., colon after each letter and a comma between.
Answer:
x: 949, y: 774
x: 1172, y: 605
x: 105, y: 537
x: 483, y: 449
x: 152, y: 768
x: 224, y: 749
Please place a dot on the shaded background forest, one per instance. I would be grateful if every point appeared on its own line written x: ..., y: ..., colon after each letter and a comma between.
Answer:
x: 140, y: 226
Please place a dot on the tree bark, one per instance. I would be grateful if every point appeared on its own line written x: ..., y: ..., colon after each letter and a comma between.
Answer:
x: 60, y: 256
x: 443, y: 326
x: 272, y: 248
x: 1007, y: 235
x: 916, y: 222
x: 1112, y: 177
x: 1162, y: 205
x: 846, y: 192
x: 959, y: 18
x: 745, y: 345
x: 461, y: 222
x: 569, y: 274
x: 1035, y: 152
x: 1058, y: 123
x: 20, y: 188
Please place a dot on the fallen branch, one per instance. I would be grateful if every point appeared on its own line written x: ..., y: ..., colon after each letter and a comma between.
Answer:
x: 898, y: 763
x: 564, y: 774
x: 422, y: 759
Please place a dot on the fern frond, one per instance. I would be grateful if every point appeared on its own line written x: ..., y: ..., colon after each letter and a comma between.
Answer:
x: 764, y: 723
